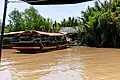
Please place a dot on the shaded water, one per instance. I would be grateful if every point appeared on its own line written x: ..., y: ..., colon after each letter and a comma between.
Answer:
x: 78, y: 63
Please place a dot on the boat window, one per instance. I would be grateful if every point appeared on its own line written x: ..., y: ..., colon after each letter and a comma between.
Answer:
x: 26, y: 38
x: 15, y: 39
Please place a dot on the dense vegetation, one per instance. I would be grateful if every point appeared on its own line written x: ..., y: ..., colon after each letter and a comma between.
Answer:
x: 102, y: 24
x: 99, y: 26
x: 30, y: 19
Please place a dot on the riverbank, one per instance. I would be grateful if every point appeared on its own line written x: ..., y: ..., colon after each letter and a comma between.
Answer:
x: 76, y: 63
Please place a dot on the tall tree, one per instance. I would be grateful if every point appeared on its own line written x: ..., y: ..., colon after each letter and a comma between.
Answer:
x: 16, y: 19
x: 29, y: 19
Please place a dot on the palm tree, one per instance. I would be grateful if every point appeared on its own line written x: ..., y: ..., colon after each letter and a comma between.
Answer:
x: 102, y: 24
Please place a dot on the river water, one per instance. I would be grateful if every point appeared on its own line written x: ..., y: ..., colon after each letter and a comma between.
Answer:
x: 78, y: 63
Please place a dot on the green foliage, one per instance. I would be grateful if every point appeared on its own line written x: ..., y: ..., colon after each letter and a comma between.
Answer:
x: 29, y: 19
x: 102, y: 24
x: 56, y: 27
x: 70, y: 22
x: 16, y: 19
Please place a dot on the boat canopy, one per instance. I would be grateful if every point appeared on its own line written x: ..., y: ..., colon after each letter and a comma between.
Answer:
x: 50, y: 34
x: 53, y: 2
x: 39, y: 33
x: 12, y: 33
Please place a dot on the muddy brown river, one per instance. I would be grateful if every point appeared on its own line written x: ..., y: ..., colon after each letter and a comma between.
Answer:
x: 77, y: 63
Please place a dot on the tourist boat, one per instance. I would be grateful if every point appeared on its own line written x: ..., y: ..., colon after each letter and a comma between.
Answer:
x: 38, y: 41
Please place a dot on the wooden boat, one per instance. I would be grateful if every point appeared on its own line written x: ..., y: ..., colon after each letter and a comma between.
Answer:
x: 37, y: 41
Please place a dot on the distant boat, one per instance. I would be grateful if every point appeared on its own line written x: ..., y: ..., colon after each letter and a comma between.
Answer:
x: 37, y: 41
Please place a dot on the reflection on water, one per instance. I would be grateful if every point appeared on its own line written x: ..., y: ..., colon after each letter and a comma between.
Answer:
x: 63, y: 72
x: 67, y: 68
x: 56, y: 65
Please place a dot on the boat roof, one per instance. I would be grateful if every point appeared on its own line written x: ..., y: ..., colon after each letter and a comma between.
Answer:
x: 53, y: 2
x: 12, y: 33
x: 33, y: 33
x: 39, y: 33
x: 50, y: 34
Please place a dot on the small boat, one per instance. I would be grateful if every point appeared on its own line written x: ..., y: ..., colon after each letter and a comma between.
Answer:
x: 38, y: 41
